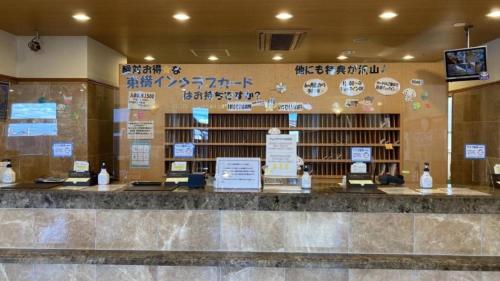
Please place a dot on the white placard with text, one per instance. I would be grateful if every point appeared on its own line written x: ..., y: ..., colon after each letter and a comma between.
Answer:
x: 281, y: 155
x: 237, y: 173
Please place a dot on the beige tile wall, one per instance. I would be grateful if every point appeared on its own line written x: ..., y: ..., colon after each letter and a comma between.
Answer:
x: 253, y: 231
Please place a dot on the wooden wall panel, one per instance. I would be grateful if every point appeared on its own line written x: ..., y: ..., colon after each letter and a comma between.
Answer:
x: 476, y: 119
x: 424, y: 127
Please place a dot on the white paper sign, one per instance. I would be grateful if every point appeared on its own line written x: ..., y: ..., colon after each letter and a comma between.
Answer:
x: 239, y: 106
x: 387, y: 86
x: 417, y: 82
x: 475, y: 151
x: 140, y: 154
x: 141, y: 100
x: 238, y: 173
x: 361, y: 154
x: 140, y: 130
x: 62, y: 149
x: 351, y: 87
x: 184, y: 150
x: 281, y: 155
x: 291, y: 106
x: 315, y: 87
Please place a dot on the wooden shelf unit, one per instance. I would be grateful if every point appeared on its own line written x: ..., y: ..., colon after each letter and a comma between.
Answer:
x: 324, y: 139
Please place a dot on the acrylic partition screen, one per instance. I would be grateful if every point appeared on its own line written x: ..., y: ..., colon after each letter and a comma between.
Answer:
x: 49, y: 125
x: 196, y: 113
x: 42, y: 116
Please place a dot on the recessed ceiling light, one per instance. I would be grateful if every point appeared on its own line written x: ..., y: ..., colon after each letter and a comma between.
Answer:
x: 213, y: 58
x: 342, y: 57
x: 459, y: 24
x: 149, y: 58
x: 181, y: 17
x: 388, y: 15
x: 494, y: 14
x: 284, y: 16
x: 81, y: 17
x: 277, y: 57
x: 408, y: 57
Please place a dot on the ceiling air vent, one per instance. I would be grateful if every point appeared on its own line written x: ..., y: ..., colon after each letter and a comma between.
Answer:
x: 280, y: 40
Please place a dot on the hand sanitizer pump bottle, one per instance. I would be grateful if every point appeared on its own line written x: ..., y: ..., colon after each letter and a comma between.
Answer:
x: 9, y: 176
x: 103, y: 177
x: 426, y: 179
x: 3, y: 167
x: 306, y: 178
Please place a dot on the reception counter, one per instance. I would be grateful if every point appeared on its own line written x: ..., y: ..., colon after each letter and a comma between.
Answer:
x: 321, y: 198
x: 107, y: 233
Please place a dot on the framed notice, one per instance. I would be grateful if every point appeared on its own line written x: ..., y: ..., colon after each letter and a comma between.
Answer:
x: 140, y: 154
x: 238, y: 173
x: 281, y: 155
x: 475, y: 151
x: 140, y: 130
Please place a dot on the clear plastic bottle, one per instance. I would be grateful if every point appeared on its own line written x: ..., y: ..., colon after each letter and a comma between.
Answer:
x: 3, y: 167
x: 306, y: 178
x: 103, y: 177
x: 426, y: 179
x: 9, y: 176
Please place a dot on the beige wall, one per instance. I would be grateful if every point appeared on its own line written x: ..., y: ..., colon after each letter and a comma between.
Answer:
x: 60, y: 57
x: 493, y: 68
x: 7, y: 53
x: 103, y: 62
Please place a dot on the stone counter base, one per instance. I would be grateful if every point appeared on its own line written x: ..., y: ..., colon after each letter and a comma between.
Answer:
x: 251, y: 231
x: 73, y: 272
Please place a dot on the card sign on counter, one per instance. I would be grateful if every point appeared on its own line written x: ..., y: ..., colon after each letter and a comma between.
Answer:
x: 81, y: 166
x: 475, y: 151
x: 178, y: 166
x: 361, y: 154
x: 281, y: 155
x: 238, y: 173
x: 184, y: 150
x: 140, y: 130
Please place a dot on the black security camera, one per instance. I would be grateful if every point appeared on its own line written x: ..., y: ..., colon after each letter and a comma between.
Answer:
x: 34, y: 44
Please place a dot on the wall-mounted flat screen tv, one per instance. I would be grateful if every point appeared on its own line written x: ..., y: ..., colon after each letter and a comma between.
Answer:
x: 465, y: 64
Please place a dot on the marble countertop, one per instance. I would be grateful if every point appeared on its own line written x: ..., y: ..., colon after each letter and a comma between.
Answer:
x: 323, y: 197
x: 248, y: 259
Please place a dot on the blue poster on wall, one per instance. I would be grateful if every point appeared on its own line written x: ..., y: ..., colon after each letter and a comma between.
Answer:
x: 34, y: 111
x: 200, y: 114
x: 32, y: 129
